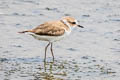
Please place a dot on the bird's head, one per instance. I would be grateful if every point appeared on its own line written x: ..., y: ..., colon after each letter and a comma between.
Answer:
x: 72, y: 22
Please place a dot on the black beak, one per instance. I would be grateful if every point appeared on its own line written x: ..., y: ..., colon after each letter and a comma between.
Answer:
x: 80, y: 26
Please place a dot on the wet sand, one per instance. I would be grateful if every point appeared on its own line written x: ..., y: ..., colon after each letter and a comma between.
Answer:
x: 92, y: 53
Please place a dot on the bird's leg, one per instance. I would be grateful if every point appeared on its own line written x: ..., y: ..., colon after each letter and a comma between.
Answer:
x: 46, y: 51
x: 52, y: 52
x: 44, y: 66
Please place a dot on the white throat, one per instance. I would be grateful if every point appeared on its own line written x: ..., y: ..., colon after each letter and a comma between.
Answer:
x: 66, y: 23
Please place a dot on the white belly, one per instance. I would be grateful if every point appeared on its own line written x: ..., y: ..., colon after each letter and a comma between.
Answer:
x: 48, y: 38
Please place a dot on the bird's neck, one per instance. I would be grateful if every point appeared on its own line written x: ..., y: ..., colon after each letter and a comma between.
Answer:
x: 67, y: 24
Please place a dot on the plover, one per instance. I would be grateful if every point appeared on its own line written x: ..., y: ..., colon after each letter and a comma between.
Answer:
x: 53, y: 31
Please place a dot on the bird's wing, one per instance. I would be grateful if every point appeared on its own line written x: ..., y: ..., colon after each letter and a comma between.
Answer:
x: 49, y: 30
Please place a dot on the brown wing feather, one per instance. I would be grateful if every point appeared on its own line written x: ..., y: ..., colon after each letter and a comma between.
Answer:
x: 49, y: 30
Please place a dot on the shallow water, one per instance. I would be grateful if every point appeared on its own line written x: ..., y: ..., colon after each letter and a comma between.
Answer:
x: 92, y: 53
x: 35, y: 69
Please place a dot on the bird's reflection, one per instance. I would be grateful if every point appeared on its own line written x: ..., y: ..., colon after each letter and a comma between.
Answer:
x: 49, y: 65
x: 50, y: 71
x: 46, y: 73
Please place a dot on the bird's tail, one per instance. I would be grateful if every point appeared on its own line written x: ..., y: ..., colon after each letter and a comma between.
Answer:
x: 25, y: 31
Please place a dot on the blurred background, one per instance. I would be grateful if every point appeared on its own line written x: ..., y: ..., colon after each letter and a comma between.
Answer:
x: 92, y: 53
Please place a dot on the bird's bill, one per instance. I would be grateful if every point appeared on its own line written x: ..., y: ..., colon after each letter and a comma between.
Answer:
x: 80, y: 26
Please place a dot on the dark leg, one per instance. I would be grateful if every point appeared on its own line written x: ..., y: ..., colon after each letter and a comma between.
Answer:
x: 46, y: 51
x: 52, y: 51
x: 44, y: 66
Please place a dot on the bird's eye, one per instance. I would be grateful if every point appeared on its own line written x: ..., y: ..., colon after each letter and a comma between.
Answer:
x: 73, y: 22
